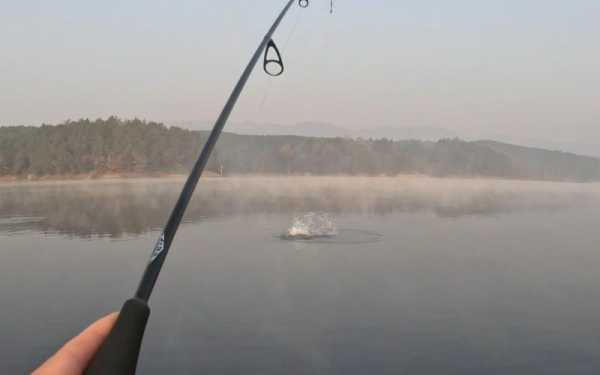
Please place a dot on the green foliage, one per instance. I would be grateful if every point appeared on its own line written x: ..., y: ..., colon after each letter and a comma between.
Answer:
x: 100, y: 146
x: 134, y: 146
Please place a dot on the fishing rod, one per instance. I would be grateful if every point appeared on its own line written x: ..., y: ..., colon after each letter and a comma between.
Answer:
x: 119, y: 353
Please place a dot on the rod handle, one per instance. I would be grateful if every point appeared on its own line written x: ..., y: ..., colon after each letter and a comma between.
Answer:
x: 119, y: 353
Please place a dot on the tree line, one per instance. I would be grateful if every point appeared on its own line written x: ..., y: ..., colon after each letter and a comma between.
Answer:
x: 114, y: 145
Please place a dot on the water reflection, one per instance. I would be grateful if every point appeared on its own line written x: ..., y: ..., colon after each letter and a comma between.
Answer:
x: 119, y: 208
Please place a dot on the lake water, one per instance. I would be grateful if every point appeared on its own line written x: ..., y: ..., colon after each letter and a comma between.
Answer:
x: 424, y: 276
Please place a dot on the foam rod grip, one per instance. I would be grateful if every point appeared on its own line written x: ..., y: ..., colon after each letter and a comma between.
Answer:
x: 118, y: 355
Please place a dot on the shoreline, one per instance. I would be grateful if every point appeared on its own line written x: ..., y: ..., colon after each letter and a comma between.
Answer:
x: 89, y: 177
x: 141, y: 177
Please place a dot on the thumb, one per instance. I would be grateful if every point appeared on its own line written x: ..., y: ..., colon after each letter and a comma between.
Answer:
x: 74, y: 356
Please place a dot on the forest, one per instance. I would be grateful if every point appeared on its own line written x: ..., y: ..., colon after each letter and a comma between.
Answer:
x: 113, y: 145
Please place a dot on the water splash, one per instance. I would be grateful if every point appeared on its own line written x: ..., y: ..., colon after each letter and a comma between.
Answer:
x: 313, y: 225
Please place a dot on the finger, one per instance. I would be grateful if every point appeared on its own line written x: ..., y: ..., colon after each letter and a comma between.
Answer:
x: 74, y: 356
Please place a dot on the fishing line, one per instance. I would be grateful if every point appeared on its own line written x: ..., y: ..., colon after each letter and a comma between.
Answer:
x: 119, y: 353
x: 293, y: 30
x: 285, y: 44
x: 272, y: 47
x: 270, y: 83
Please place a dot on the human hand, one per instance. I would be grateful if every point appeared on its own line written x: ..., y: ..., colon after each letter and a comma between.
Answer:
x: 74, y: 356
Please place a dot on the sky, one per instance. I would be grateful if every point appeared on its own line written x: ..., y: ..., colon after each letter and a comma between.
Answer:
x: 511, y: 69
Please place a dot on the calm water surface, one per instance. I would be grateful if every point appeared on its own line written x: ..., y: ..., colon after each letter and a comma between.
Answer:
x: 425, y: 277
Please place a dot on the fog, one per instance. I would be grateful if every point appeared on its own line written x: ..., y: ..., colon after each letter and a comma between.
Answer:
x: 116, y: 208
x: 480, y: 275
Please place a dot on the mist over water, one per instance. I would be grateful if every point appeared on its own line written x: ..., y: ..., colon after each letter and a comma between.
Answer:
x: 120, y: 208
x: 420, y: 275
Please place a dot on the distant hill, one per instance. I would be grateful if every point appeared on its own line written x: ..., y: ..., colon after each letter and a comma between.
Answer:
x: 322, y: 129
x: 303, y: 129
x: 545, y: 164
x: 124, y: 146
x: 585, y: 146
x: 422, y: 133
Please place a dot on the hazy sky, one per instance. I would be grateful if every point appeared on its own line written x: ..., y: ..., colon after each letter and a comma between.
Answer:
x: 526, y: 68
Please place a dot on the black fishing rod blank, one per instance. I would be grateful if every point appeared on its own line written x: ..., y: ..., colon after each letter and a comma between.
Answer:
x: 119, y: 353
